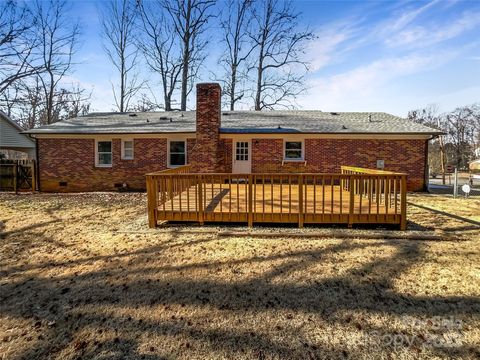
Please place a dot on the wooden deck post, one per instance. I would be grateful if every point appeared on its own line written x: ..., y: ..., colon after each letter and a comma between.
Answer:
x: 200, y: 199
x: 152, y: 201
x: 300, y: 201
x: 351, y: 180
x: 250, y: 200
x: 403, y: 203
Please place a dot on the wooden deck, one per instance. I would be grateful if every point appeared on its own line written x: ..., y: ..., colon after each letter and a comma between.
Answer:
x: 288, y: 198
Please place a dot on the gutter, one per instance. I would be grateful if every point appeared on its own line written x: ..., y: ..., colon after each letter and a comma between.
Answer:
x: 432, y: 134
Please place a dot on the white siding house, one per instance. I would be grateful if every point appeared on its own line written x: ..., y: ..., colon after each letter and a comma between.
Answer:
x: 12, y: 139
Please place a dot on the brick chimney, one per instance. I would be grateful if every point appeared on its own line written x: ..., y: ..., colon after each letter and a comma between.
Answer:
x: 206, y: 153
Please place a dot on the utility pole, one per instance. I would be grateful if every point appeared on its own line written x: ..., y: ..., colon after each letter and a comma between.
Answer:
x: 455, y: 183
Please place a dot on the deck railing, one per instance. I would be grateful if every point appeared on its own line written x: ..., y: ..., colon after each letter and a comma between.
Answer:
x: 354, y: 196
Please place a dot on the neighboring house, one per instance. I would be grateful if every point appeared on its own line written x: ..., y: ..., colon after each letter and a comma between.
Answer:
x: 12, y: 139
x: 104, y: 151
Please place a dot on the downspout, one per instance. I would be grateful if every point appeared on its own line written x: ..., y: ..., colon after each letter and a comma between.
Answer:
x: 37, y: 163
x: 426, y: 175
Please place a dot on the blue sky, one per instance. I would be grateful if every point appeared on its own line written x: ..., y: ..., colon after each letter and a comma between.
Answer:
x: 369, y: 56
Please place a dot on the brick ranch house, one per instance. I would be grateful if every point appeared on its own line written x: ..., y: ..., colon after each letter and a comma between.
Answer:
x: 106, y: 151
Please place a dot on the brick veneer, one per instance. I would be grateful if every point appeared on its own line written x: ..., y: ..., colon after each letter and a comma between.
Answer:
x: 73, y: 161
x: 327, y: 155
x: 225, y: 155
x: 207, y: 153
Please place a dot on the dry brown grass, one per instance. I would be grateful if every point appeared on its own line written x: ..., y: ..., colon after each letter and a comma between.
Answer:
x: 78, y: 281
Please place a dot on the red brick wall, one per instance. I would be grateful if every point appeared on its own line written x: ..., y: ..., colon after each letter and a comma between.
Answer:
x: 190, y: 151
x: 73, y: 161
x: 226, y: 155
x: 207, y: 153
x: 327, y: 155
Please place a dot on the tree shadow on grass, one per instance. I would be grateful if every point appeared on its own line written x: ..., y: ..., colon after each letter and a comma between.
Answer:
x: 476, y: 224
x: 76, y: 303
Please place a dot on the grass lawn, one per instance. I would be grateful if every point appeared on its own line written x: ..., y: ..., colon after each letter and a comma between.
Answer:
x: 82, y: 277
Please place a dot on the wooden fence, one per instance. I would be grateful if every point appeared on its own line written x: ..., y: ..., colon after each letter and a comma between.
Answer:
x: 355, y: 196
x: 17, y: 175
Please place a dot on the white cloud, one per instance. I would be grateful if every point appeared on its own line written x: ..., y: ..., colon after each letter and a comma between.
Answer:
x: 397, y: 22
x: 408, y: 17
x: 327, y: 47
x: 360, y: 88
x: 336, y: 39
x: 421, y: 36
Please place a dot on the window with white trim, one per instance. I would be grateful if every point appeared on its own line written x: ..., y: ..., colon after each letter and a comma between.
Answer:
x: 127, y: 149
x: 104, y: 153
x: 177, y: 153
x: 293, y: 150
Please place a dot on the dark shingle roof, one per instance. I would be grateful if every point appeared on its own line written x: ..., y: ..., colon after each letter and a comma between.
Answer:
x: 238, y: 122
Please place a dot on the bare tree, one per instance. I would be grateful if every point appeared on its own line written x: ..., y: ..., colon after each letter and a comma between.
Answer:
x: 235, y: 22
x: 9, y: 98
x: 18, y: 44
x: 462, y: 126
x: 161, y: 50
x: 118, y: 30
x: 189, y: 19
x: 58, y: 43
x: 279, y: 44
x: 462, y: 135
x: 41, y: 40
x: 430, y: 116
x: 31, y: 109
x: 75, y: 101
x: 145, y: 104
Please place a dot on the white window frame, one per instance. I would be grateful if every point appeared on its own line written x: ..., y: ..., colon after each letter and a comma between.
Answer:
x: 302, y: 152
x: 169, y: 165
x: 123, y: 149
x: 97, y: 153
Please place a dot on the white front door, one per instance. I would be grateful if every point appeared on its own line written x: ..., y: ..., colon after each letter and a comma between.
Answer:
x: 242, y: 157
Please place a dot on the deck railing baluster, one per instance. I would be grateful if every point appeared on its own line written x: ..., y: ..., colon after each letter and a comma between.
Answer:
x: 341, y: 194
x: 271, y: 192
x: 323, y: 198
x: 331, y: 195
x: 281, y: 197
